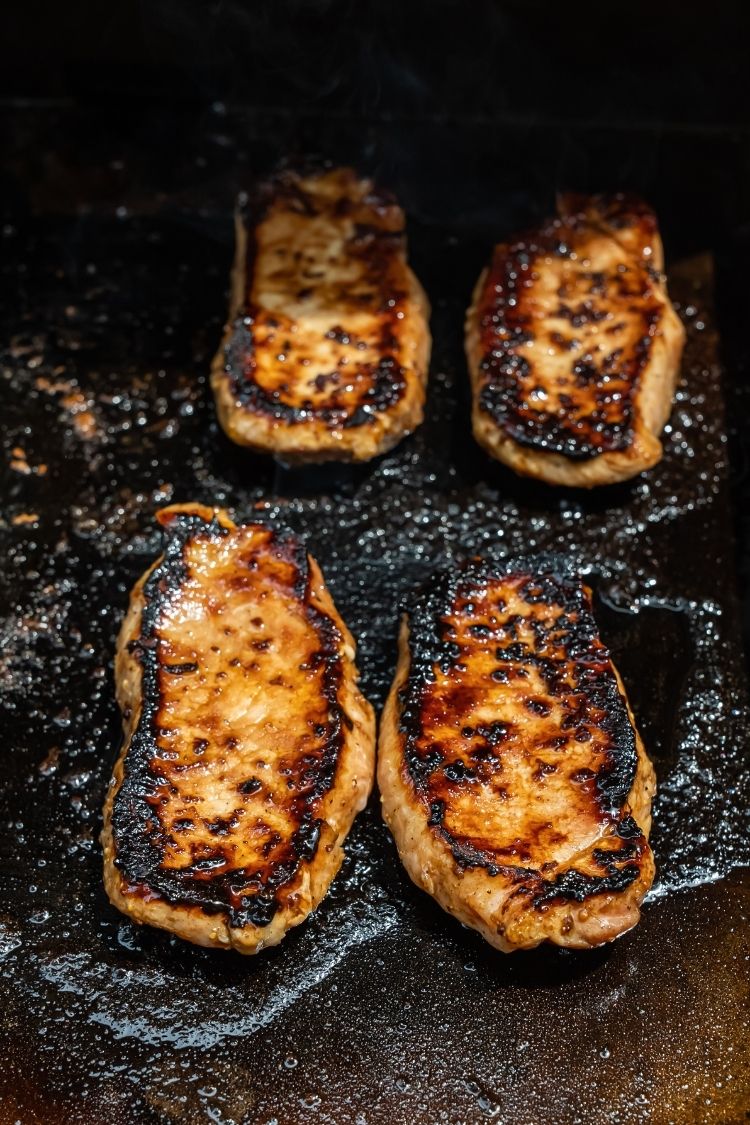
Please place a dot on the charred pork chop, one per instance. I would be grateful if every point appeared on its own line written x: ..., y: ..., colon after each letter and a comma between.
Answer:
x: 248, y: 748
x: 327, y: 345
x: 573, y: 346
x: 512, y: 776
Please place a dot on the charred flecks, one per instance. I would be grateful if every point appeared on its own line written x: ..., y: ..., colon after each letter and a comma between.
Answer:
x: 360, y: 390
x: 245, y: 897
x: 307, y: 837
x: 252, y: 785
x: 627, y: 829
x: 180, y: 669
x: 388, y: 385
x: 383, y: 385
x: 437, y: 812
x: 593, y: 412
x: 566, y: 653
x: 459, y: 771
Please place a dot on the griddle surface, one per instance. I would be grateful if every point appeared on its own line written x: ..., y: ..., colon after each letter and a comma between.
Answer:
x: 381, y: 1008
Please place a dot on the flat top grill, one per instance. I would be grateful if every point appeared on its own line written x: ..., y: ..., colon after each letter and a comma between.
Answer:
x: 380, y: 1008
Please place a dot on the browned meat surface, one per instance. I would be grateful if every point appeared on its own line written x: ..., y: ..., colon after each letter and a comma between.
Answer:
x: 248, y: 748
x: 512, y: 775
x: 327, y: 346
x: 573, y: 346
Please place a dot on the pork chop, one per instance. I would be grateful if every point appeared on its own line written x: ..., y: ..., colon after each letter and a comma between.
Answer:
x: 327, y: 346
x: 574, y: 347
x: 510, y: 769
x: 248, y: 748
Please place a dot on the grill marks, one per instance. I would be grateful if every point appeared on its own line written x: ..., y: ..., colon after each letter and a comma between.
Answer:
x: 240, y: 729
x: 566, y: 320
x: 328, y: 330
x: 517, y: 741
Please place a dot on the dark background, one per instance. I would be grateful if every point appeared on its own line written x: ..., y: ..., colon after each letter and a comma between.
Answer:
x: 660, y: 63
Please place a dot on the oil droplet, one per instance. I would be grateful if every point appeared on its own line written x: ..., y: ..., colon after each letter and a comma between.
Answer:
x: 8, y: 942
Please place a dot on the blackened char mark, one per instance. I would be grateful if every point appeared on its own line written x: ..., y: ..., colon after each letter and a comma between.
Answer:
x: 385, y: 386
x: 244, y: 898
x: 575, y: 886
x: 620, y: 867
x: 597, y: 415
x: 547, y: 581
x: 384, y: 382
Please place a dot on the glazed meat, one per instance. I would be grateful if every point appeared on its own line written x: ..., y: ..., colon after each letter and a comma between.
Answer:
x: 248, y: 748
x: 573, y: 346
x: 511, y: 773
x: 327, y: 345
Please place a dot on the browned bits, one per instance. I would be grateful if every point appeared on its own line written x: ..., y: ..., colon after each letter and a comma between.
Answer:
x: 543, y: 310
x: 493, y: 693
x: 326, y: 351
x: 206, y: 731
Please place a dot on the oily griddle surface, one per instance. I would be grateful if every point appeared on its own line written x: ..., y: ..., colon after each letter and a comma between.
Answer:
x: 381, y: 1008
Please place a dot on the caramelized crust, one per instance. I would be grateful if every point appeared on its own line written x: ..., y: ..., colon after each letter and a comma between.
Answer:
x: 248, y: 748
x: 326, y: 352
x: 574, y: 347
x: 512, y: 776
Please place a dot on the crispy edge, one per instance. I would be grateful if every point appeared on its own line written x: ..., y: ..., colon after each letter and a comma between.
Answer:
x: 478, y: 900
x: 354, y: 778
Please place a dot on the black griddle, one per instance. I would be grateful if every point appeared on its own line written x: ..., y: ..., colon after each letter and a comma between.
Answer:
x: 381, y: 1008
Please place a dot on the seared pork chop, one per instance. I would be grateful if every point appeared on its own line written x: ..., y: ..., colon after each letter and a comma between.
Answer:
x: 511, y: 773
x: 573, y: 346
x: 248, y: 748
x: 327, y: 345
